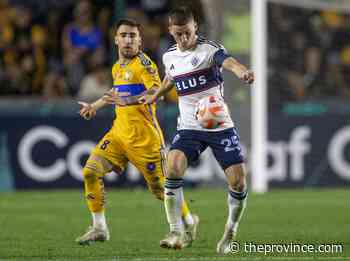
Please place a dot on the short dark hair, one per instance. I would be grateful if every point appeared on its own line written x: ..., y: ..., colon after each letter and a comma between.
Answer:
x: 129, y: 22
x: 181, y: 16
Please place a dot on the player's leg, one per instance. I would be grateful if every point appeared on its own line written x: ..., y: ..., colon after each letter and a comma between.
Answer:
x: 236, y: 200
x: 227, y: 151
x: 183, y: 149
x: 173, y: 199
x: 102, y: 160
x: 95, y: 168
x: 152, y: 165
x: 154, y: 175
x: 190, y: 221
x: 93, y: 172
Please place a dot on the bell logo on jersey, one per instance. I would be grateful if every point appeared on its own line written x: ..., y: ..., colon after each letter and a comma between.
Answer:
x: 190, y: 83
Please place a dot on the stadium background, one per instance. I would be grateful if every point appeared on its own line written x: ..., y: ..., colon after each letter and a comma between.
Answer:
x: 44, y: 142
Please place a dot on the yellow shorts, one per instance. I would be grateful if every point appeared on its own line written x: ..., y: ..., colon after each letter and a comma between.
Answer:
x: 149, y: 160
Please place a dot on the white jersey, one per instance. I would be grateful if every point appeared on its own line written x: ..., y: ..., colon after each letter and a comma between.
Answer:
x: 196, y: 74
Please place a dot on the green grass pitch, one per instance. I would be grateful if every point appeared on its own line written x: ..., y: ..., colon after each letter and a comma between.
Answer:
x: 42, y: 225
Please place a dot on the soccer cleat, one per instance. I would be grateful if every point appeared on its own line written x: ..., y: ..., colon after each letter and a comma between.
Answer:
x: 175, y: 240
x: 191, y: 231
x: 93, y: 234
x: 224, y: 245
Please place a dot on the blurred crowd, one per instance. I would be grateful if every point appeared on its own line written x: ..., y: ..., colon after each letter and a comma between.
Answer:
x: 309, y: 54
x: 64, y: 48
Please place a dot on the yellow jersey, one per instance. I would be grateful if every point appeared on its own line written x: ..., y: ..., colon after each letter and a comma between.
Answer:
x: 136, y: 124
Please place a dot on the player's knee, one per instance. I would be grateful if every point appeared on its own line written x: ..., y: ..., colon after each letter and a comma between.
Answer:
x: 236, y: 178
x: 238, y: 183
x: 89, y: 174
x: 175, y: 169
x: 238, y: 186
x: 177, y: 164
x: 94, y: 168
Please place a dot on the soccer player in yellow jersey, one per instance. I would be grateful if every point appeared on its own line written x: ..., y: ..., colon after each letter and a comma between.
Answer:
x: 135, y: 135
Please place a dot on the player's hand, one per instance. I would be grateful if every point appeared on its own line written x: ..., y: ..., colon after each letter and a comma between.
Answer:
x: 87, y: 111
x: 114, y: 97
x: 248, y: 77
x: 147, y: 99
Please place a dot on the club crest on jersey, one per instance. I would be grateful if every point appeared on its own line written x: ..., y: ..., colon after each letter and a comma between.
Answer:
x: 127, y: 75
x: 194, y: 61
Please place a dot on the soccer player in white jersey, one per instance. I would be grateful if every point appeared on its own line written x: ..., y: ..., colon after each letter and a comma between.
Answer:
x: 194, y: 66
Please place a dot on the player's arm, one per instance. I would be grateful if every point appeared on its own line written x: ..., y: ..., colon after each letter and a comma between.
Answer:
x: 116, y: 98
x: 88, y: 110
x: 222, y: 59
x: 123, y: 98
x: 156, y: 93
x: 231, y: 64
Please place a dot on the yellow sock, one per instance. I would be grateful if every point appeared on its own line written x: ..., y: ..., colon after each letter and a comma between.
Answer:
x: 185, y: 210
x: 94, y: 190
